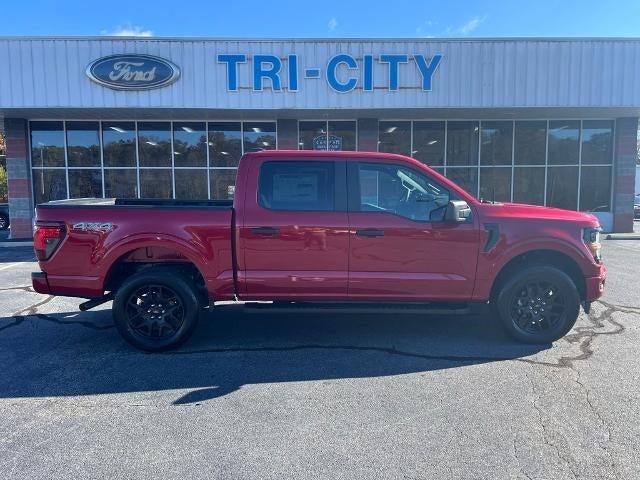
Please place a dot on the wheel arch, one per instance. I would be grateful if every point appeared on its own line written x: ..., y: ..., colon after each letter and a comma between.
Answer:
x: 553, y: 258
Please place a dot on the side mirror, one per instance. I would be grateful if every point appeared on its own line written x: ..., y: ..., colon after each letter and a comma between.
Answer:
x: 457, y: 211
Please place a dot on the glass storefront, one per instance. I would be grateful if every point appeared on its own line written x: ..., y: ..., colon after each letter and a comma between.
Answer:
x: 147, y: 159
x: 559, y: 163
x: 563, y: 163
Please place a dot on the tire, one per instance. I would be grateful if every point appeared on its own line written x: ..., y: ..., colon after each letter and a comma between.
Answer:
x: 156, y: 309
x: 4, y: 221
x: 539, y: 304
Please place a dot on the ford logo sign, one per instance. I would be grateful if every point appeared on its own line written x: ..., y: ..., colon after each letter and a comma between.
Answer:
x: 132, y: 72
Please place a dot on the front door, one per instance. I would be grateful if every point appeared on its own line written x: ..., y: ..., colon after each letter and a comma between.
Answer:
x: 401, y: 248
x: 294, y: 235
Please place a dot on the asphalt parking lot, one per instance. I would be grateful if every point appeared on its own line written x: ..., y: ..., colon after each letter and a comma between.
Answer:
x: 263, y: 394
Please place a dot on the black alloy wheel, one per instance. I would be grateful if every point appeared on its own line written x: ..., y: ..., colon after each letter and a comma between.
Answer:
x: 538, y: 304
x: 157, y: 309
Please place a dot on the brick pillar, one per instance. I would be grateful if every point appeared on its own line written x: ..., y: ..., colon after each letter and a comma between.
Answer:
x: 368, y: 134
x: 19, y: 178
x: 624, y: 173
x: 287, y: 134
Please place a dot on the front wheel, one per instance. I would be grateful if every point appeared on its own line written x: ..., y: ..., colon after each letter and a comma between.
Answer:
x: 539, y: 304
x: 156, y: 309
x: 4, y: 222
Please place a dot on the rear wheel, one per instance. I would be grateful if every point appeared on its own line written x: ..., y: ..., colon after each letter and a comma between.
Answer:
x: 156, y: 309
x: 539, y: 304
x: 4, y: 221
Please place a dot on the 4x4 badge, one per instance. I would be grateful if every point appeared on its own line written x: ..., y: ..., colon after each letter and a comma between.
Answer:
x: 93, y: 227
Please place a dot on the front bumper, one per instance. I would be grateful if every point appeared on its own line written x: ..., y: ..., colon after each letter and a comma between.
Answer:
x: 595, y: 285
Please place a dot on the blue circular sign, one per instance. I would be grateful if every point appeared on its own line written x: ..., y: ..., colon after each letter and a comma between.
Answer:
x: 132, y: 72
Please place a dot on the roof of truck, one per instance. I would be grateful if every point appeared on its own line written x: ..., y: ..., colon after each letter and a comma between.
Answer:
x: 346, y: 154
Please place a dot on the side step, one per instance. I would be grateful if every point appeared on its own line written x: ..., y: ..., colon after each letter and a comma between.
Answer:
x: 435, y: 308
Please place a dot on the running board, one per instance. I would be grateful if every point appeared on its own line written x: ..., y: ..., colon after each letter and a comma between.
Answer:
x: 362, y: 307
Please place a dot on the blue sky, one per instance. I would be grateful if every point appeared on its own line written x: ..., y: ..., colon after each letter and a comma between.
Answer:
x: 323, y: 18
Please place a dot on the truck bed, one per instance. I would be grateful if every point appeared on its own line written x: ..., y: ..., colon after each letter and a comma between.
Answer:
x: 102, y: 232
x: 136, y: 202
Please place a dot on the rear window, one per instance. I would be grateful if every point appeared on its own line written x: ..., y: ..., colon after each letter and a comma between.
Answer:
x: 306, y: 186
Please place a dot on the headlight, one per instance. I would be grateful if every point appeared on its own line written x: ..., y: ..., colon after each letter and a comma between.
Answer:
x: 591, y: 238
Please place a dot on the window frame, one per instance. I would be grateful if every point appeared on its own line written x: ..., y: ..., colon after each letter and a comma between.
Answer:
x: 339, y: 178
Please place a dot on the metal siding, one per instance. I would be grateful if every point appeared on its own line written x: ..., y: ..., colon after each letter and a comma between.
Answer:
x: 41, y: 73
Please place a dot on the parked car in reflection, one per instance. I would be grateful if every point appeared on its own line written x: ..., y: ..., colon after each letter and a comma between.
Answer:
x: 4, y: 216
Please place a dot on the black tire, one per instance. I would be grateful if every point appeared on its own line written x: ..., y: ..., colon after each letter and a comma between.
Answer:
x: 538, y: 304
x: 4, y: 221
x: 156, y: 309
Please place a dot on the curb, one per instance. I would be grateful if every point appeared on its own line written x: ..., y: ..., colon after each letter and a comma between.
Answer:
x: 26, y: 243
x: 623, y: 237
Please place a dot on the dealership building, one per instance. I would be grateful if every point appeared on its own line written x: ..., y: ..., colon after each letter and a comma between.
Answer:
x: 543, y: 121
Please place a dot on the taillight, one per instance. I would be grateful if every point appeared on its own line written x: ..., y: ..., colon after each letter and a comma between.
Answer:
x: 45, y: 240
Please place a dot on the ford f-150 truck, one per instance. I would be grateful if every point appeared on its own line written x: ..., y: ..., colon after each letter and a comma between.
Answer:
x: 313, y: 226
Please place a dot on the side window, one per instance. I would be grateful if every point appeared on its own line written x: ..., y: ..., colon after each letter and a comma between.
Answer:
x: 305, y: 186
x: 401, y: 191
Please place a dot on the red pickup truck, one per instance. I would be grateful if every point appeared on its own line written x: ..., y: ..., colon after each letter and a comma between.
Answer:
x: 308, y: 226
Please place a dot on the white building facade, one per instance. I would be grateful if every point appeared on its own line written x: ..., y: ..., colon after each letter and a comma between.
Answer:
x: 543, y: 121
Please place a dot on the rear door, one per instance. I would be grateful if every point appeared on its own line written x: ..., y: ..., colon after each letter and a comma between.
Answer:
x: 401, y: 248
x: 294, y: 237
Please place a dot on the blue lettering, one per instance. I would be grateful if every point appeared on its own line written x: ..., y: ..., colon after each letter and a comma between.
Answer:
x: 232, y: 62
x: 332, y: 78
x: 260, y: 71
x: 293, y: 73
x: 394, y: 61
x: 427, y: 69
x: 368, y: 73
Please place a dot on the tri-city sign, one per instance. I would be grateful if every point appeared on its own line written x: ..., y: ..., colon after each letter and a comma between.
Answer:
x: 343, y: 72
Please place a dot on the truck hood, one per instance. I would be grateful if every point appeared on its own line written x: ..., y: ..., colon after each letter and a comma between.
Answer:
x: 524, y: 211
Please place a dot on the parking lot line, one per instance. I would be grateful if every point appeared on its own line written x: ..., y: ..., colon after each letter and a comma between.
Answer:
x: 5, y: 267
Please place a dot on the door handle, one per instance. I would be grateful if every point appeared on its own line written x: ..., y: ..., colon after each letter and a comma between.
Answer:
x: 267, y: 231
x: 370, y: 232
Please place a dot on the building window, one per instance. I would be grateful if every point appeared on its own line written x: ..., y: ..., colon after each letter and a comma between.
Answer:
x: 119, y: 144
x: 312, y: 135
x: 528, y: 185
x: 564, y: 145
x: 120, y: 183
x: 562, y: 187
x: 225, y: 144
x: 327, y: 135
x: 530, y: 145
x: 428, y: 143
x: 223, y: 184
x: 258, y: 136
x: 462, y: 143
x: 154, y: 144
x: 595, y: 189
x: 190, y: 144
x: 191, y: 184
x: 597, y: 142
x: 495, y: 184
x: 49, y: 185
x: 83, y: 144
x: 156, y: 183
x: 47, y: 144
x: 394, y: 137
x: 496, y: 143
x: 466, y: 178
x: 84, y: 183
